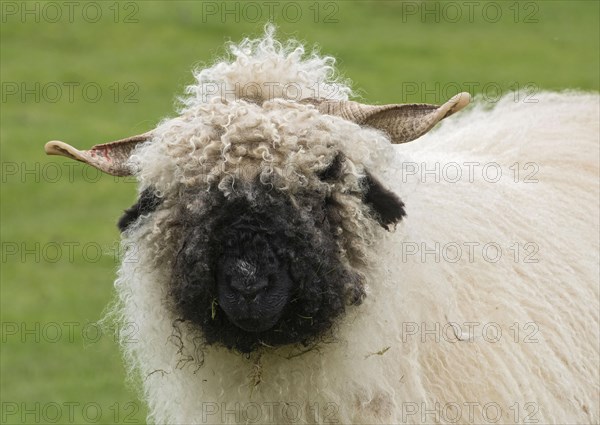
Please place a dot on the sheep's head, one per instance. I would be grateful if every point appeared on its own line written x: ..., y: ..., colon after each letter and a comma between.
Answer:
x: 262, y: 211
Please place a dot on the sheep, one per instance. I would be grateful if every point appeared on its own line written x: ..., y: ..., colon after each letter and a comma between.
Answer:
x: 286, y: 263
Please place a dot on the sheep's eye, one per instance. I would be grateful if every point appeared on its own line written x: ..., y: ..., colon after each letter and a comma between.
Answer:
x: 386, y: 206
x: 334, y: 170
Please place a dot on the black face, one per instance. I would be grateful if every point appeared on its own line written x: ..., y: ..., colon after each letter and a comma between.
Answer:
x: 258, y: 269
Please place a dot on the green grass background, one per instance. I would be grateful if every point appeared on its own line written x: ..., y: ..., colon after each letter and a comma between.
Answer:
x: 378, y: 45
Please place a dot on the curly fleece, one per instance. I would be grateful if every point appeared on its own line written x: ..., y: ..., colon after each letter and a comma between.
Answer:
x: 380, y: 366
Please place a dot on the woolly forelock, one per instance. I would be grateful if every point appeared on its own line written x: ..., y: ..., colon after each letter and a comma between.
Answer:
x: 264, y: 69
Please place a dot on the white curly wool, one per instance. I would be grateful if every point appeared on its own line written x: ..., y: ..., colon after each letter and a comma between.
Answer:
x: 267, y: 69
x: 486, y: 336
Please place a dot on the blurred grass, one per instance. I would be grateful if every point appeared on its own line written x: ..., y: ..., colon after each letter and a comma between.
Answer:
x: 379, y: 45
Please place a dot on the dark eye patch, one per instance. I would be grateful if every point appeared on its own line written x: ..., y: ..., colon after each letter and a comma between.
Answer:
x: 147, y: 203
x: 334, y: 170
x: 387, y: 206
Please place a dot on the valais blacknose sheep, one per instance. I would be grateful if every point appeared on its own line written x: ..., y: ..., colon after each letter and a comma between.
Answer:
x: 293, y: 263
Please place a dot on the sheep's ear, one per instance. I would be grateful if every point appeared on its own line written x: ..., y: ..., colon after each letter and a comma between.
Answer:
x: 387, y: 207
x: 110, y: 158
x: 147, y: 203
x: 401, y: 122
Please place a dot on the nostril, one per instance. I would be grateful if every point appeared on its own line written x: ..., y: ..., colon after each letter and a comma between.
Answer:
x: 250, y: 292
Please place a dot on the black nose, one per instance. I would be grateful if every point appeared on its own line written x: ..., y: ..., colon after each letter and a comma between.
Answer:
x: 249, y: 288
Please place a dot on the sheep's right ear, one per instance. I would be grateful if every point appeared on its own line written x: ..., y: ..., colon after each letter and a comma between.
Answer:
x: 401, y: 122
x: 387, y: 207
x: 110, y: 158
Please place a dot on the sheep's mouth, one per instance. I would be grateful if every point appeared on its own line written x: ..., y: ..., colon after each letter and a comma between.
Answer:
x: 256, y: 325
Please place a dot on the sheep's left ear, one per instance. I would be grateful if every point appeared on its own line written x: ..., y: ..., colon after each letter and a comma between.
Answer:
x: 110, y: 158
x: 401, y: 122
x: 147, y: 203
x: 387, y: 207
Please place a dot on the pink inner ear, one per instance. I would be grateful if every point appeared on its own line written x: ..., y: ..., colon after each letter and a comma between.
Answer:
x: 103, y: 152
x: 110, y: 158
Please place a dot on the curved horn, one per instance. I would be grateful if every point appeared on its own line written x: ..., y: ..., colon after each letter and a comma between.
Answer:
x: 110, y: 158
x: 402, y: 122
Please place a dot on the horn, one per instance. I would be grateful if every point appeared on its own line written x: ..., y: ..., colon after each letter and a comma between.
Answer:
x: 401, y: 122
x: 110, y: 158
